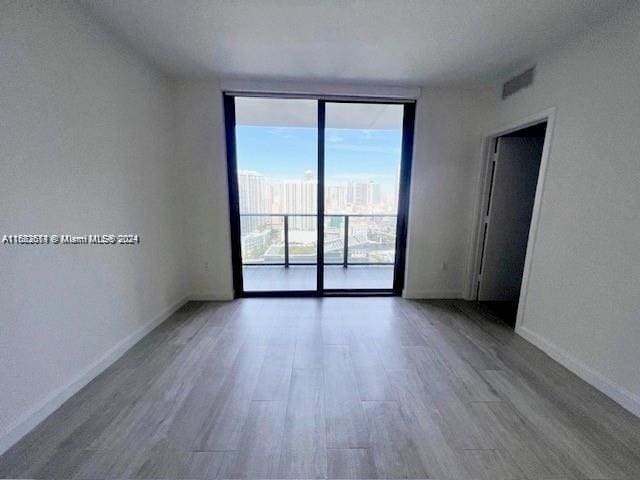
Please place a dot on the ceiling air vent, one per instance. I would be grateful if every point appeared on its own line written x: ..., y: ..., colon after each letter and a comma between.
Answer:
x: 518, y: 82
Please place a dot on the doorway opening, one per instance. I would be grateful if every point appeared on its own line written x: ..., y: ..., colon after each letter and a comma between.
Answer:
x: 510, y: 192
x: 318, y: 192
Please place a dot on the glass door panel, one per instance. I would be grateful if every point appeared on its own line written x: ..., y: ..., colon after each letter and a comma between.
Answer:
x: 363, y: 148
x: 277, y: 168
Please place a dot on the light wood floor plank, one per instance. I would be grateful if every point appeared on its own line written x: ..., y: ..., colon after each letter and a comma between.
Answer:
x: 351, y: 463
x: 420, y: 416
x: 394, y: 451
x: 345, y: 420
x: 258, y: 452
x: 333, y: 388
x: 304, y: 446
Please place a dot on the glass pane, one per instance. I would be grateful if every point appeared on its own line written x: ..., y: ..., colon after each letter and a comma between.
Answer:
x: 262, y: 239
x: 372, y: 239
x: 276, y: 148
x: 303, y: 239
x: 334, y: 239
x: 363, y: 144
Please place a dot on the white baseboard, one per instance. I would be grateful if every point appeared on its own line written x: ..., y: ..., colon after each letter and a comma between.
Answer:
x: 619, y: 394
x: 26, y: 422
x: 430, y: 294
x: 211, y: 297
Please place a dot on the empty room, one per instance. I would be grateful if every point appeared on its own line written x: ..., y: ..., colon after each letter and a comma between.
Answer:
x: 320, y: 239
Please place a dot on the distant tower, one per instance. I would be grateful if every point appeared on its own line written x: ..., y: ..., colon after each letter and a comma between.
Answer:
x: 350, y: 193
x: 374, y: 196
x: 300, y: 196
x: 252, y: 192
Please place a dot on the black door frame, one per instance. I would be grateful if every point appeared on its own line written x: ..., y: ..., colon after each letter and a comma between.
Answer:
x: 408, y: 129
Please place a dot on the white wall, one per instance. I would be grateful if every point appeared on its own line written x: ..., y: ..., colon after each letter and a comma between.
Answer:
x: 86, y: 131
x: 447, y: 149
x: 446, y: 153
x: 201, y: 155
x: 583, y: 300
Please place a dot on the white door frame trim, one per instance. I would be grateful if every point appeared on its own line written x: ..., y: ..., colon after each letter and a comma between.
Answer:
x: 481, y: 199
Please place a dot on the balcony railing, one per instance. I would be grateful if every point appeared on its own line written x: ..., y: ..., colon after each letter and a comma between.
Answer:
x: 337, y: 250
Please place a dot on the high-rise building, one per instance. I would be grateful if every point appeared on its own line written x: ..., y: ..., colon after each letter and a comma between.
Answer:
x: 301, y: 196
x: 252, y: 193
x: 274, y: 200
x: 350, y: 193
x: 336, y: 198
x: 374, y: 196
x: 361, y: 194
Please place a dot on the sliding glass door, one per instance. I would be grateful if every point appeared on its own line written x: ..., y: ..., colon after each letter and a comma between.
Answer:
x: 277, y: 175
x: 363, y: 146
x: 318, y: 194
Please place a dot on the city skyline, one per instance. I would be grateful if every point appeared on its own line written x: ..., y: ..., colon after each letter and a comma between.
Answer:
x: 277, y: 174
x: 259, y: 193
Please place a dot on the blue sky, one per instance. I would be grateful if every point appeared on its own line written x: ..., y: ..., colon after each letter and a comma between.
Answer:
x: 286, y: 152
